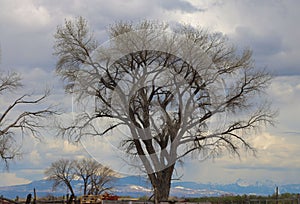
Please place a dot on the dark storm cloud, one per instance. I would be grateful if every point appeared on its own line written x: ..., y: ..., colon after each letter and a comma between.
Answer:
x: 25, y: 36
x: 263, y: 45
x: 268, y: 28
x: 266, y: 45
x: 269, y: 50
x: 27, y: 28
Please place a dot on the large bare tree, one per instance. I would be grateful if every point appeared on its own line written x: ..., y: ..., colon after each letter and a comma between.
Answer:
x: 172, y: 91
x: 20, y: 114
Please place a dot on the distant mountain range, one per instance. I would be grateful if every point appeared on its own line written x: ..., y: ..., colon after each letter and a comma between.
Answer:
x: 136, y: 186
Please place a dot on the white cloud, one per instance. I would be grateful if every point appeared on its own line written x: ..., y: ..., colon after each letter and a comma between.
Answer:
x: 285, y: 96
x: 25, y: 13
x: 276, y: 155
x: 277, y: 151
x: 264, y: 141
x: 285, y: 88
x: 8, y: 179
x: 70, y: 148
x: 35, y: 157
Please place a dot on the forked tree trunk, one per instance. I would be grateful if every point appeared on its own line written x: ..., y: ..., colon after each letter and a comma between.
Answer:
x: 161, y: 183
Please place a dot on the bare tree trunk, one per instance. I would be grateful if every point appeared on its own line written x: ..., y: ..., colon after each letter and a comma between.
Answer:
x: 85, y: 184
x: 161, y: 182
x: 71, y: 189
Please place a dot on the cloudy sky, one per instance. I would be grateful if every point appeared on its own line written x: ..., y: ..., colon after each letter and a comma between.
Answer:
x: 270, y: 28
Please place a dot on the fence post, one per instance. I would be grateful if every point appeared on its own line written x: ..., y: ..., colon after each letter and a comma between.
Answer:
x: 276, y: 194
x: 34, y: 196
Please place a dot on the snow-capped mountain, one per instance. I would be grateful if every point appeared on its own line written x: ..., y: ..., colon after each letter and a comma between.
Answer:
x: 137, y: 186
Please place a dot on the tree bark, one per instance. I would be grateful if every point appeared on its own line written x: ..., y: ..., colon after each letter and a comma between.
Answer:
x: 161, y: 182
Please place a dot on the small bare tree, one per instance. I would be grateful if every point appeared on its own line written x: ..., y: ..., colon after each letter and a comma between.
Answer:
x: 102, y: 180
x: 62, y: 172
x: 174, y: 93
x: 85, y: 169
x: 23, y: 115
x: 96, y: 178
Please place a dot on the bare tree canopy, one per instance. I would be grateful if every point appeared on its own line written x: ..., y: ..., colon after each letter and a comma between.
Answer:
x: 23, y: 115
x: 95, y: 177
x: 62, y: 172
x: 173, y: 92
x: 102, y: 180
